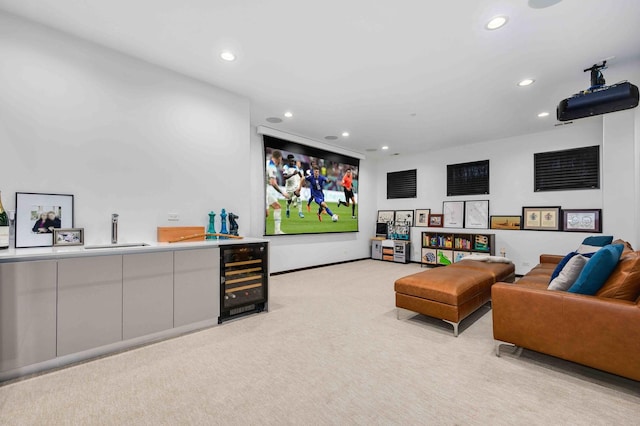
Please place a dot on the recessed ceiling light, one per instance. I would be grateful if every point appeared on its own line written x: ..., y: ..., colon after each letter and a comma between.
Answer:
x: 345, y: 134
x: 526, y: 82
x: 385, y: 147
x: 288, y: 114
x: 543, y: 114
x: 331, y: 138
x: 496, y: 22
x: 274, y: 119
x: 228, y: 56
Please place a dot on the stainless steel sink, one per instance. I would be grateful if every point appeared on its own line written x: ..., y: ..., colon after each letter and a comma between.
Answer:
x: 120, y: 245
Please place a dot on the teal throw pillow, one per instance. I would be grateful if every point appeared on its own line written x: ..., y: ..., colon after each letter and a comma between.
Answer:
x: 598, y: 240
x: 597, y: 270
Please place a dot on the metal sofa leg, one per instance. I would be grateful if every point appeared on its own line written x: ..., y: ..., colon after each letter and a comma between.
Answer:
x: 455, y: 327
x: 517, y: 350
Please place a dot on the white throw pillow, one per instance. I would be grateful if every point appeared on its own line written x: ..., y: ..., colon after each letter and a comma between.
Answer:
x: 569, y: 274
x: 584, y: 248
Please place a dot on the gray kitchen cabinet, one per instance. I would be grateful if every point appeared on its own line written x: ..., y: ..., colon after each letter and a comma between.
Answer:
x: 196, y: 285
x: 27, y: 313
x: 147, y: 302
x: 89, y: 303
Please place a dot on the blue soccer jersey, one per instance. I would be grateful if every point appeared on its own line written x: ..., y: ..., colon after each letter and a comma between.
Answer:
x: 316, y: 187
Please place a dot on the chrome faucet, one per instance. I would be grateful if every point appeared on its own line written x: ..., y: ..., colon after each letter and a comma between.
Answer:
x: 114, y: 228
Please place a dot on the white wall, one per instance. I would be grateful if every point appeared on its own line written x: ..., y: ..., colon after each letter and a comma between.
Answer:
x: 121, y: 135
x: 125, y: 136
x: 511, y: 180
x: 298, y: 251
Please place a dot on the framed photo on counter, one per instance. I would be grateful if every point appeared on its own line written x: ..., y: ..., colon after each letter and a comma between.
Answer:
x: 38, y: 215
x: 68, y: 237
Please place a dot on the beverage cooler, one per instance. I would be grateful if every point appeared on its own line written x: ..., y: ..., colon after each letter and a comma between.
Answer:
x: 244, y: 280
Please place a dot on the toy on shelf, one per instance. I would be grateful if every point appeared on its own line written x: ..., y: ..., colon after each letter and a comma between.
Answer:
x: 223, y: 219
x: 233, y: 225
x: 212, y: 228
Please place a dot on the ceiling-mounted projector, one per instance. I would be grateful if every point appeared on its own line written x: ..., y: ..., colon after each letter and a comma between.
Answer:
x: 598, y: 99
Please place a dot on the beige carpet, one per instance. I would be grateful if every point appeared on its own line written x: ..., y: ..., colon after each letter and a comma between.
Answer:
x: 330, y: 351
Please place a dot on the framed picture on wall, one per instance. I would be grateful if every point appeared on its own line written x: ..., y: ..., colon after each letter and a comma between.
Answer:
x: 386, y: 216
x: 405, y: 216
x: 38, y: 215
x: 582, y: 220
x: 453, y: 214
x: 422, y: 217
x: 476, y: 214
x: 541, y: 218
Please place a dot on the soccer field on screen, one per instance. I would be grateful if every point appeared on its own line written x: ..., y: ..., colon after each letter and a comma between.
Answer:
x: 310, y: 223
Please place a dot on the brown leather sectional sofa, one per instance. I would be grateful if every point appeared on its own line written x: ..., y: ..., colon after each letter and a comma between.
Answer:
x: 601, y: 331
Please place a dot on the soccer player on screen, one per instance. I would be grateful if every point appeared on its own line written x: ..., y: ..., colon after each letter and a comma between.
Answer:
x: 273, y: 190
x: 316, y: 182
x: 293, y: 184
x: 347, y: 185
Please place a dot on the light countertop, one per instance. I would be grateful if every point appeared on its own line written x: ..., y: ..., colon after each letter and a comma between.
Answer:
x: 59, y: 252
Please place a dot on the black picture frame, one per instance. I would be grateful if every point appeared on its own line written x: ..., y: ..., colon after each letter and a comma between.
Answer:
x: 546, y: 218
x: 30, y: 206
x: 476, y: 214
x: 453, y: 212
x: 582, y: 220
x: 386, y: 216
x: 404, y: 216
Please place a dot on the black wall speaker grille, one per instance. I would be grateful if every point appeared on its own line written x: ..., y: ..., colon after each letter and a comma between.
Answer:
x: 468, y: 178
x: 402, y: 184
x: 569, y: 169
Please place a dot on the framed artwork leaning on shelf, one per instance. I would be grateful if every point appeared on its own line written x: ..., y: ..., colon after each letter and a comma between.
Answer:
x: 506, y: 222
x: 435, y: 220
x: 404, y: 216
x: 541, y: 218
x: 582, y: 220
x: 453, y: 214
x: 386, y: 216
x: 422, y: 217
x: 476, y: 214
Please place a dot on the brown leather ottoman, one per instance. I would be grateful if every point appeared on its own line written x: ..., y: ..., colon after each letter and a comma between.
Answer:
x: 451, y: 293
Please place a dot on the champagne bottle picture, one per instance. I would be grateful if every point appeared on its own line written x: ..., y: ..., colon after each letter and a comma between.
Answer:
x: 4, y: 227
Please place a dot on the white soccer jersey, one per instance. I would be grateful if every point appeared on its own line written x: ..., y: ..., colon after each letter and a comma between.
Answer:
x: 272, y: 171
x: 293, y: 182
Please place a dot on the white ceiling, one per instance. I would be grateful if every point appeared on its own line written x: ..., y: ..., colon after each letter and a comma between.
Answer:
x: 413, y: 75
